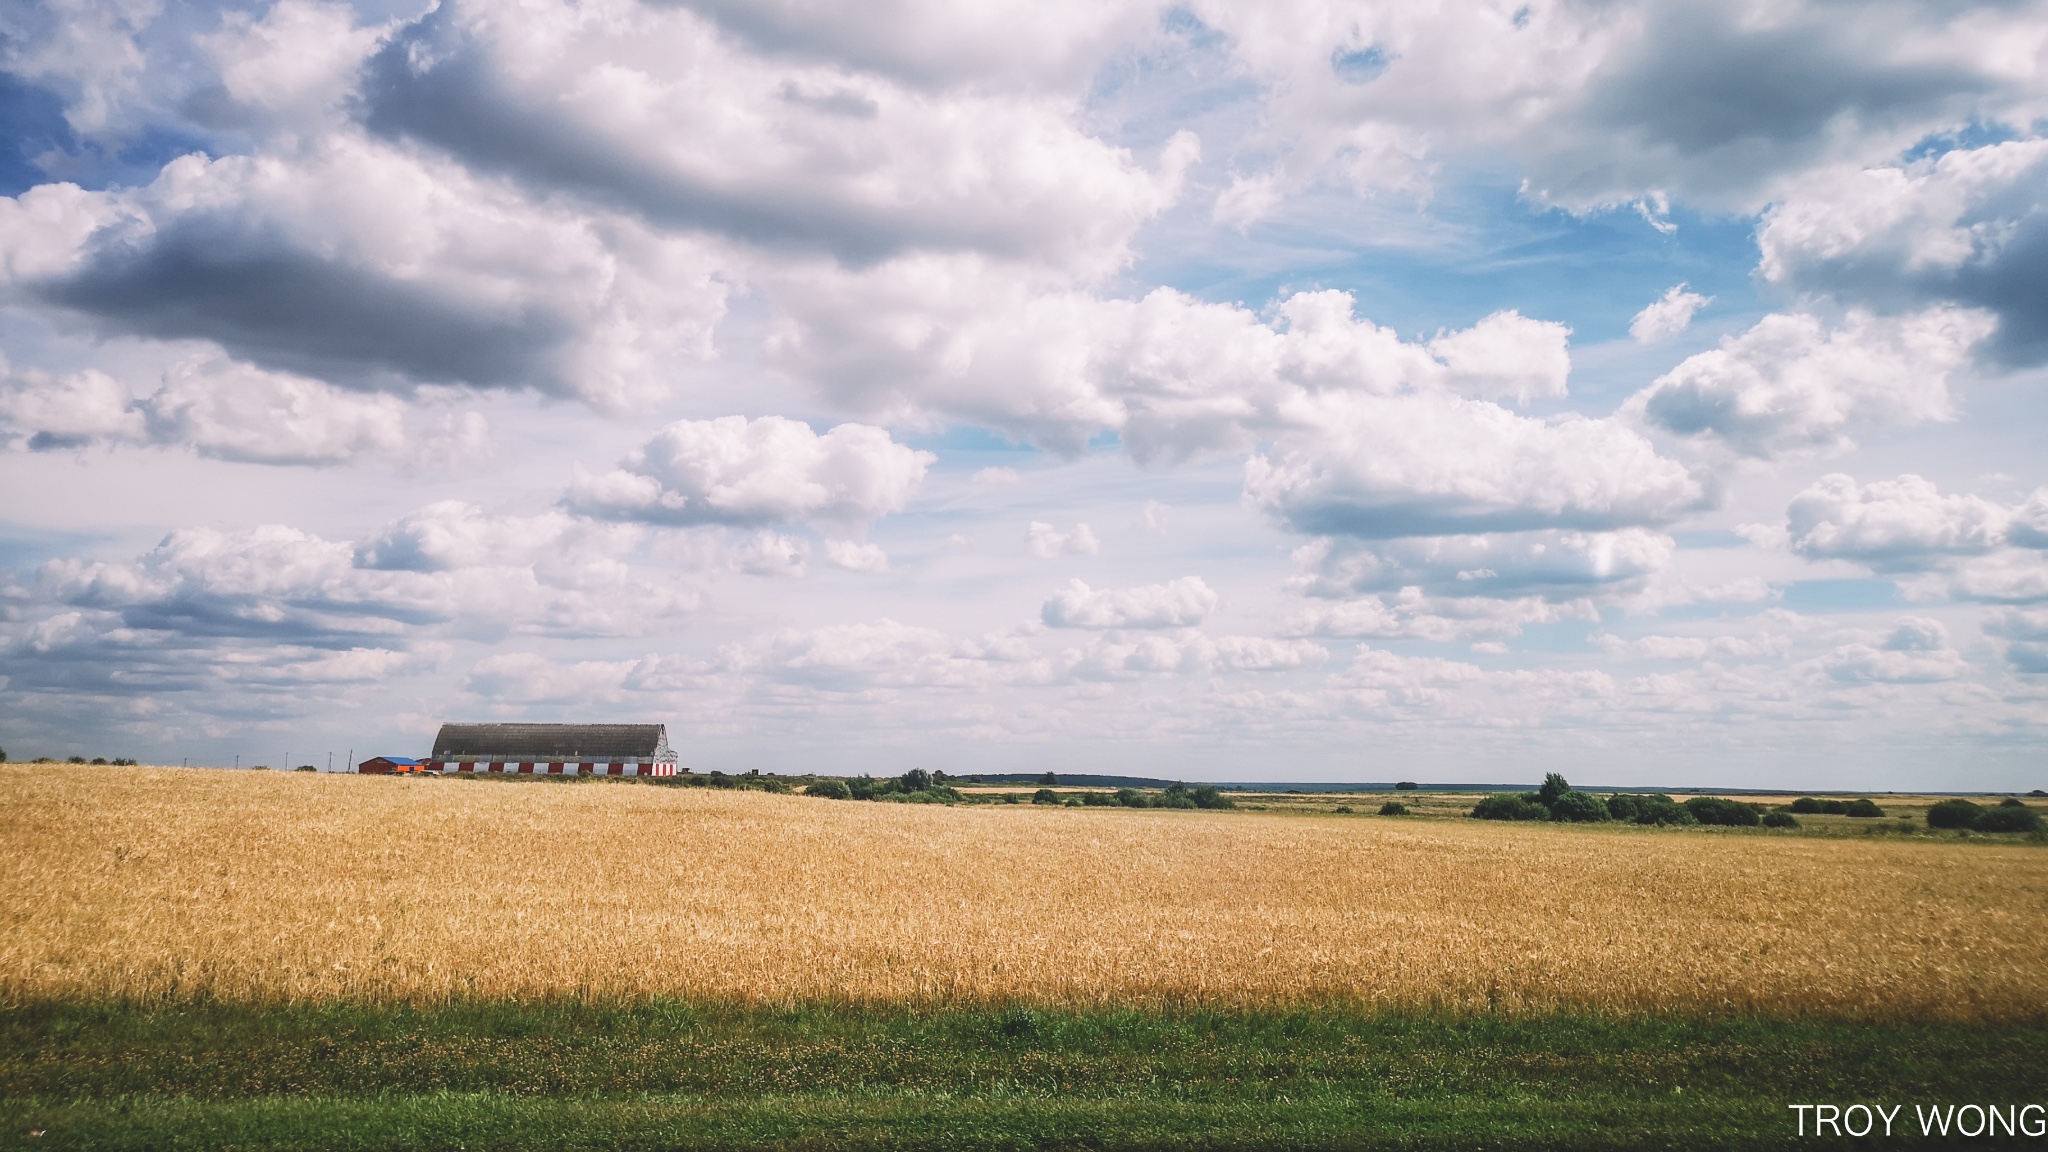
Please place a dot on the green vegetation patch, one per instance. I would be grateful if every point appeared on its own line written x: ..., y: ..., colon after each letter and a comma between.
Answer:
x: 687, y: 1075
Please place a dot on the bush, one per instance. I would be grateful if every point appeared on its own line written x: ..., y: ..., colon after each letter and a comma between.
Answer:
x: 1099, y: 799
x: 1406, y: 786
x: 1175, y: 796
x: 830, y: 790
x: 1344, y: 810
x: 1045, y: 796
x: 1509, y: 807
x: 1726, y: 813
x: 1554, y: 786
x: 75, y: 760
x: 1579, y: 808
x: 1210, y: 796
x: 2004, y: 819
x: 1780, y: 820
x: 1862, y: 808
x: 1131, y: 798
x: 915, y: 780
x: 1394, y: 808
x: 1012, y: 798
x: 864, y: 787
x: 1953, y: 814
x: 1806, y: 806
x: 1652, y: 808
x: 2008, y: 802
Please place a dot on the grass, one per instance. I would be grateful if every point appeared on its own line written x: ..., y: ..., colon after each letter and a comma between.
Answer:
x: 673, y: 1074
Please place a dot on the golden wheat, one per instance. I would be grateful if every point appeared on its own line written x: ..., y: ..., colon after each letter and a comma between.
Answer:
x: 155, y: 883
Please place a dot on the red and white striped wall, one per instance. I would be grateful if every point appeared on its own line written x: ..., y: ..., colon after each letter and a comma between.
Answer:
x: 554, y: 768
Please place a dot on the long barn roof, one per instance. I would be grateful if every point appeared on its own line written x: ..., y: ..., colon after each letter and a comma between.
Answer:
x: 548, y: 741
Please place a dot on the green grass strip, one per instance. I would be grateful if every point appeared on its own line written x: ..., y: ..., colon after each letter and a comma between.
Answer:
x: 672, y: 1075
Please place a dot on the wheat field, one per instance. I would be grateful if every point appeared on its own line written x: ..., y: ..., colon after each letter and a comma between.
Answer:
x: 159, y: 884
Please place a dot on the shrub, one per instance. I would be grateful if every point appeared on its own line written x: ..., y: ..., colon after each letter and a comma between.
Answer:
x: 1652, y: 808
x: 2004, y: 819
x: 864, y: 787
x: 1780, y: 820
x: 1862, y: 808
x: 1012, y: 798
x: 1406, y: 786
x: 1045, y: 796
x: 2008, y: 802
x: 1394, y: 808
x: 1131, y: 798
x: 1953, y: 814
x: 915, y: 780
x: 1727, y: 813
x: 1210, y: 796
x: 1175, y: 796
x: 830, y: 790
x: 1554, y: 786
x: 1806, y: 806
x: 1579, y: 808
x: 1345, y: 810
x: 1099, y: 799
x: 1509, y: 807
x: 75, y: 760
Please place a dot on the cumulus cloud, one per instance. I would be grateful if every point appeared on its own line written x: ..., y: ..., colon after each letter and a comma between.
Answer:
x: 1667, y: 316
x: 226, y: 410
x: 856, y: 556
x: 1178, y: 603
x: 1966, y: 227
x: 1901, y: 524
x: 1555, y: 564
x: 1411, y: 614
x: 1613, y: 105
x: 1789, y: 386
x: 71, y: 410
x: 1379, y: 467
x: 1261, y: 654
x: 769, y: 470
x: 1916, y: 651
x: 1047, y: 542
x: 650, y: 109
x: 2025, y: 635
x: 359, y: 263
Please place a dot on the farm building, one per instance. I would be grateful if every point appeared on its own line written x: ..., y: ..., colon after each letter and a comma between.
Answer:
x: 554, y: 749
x: 390, y: 766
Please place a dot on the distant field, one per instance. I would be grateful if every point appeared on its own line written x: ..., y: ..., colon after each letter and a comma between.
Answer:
x: 149, y: 884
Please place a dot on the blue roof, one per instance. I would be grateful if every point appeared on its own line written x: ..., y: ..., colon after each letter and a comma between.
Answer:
x: 394, y: 760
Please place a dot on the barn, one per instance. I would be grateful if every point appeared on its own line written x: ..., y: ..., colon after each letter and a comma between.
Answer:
x: 390, y: 766
x: 554, y: 749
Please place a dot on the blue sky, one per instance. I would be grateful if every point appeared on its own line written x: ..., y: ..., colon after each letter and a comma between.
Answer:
x: 1313, y: 390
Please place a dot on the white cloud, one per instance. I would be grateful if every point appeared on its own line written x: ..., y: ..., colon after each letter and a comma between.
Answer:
x: 1667, y: 316
x: 1787, y: 386
x: 1915, y: 652
x: 238, y: 412
x: 1507, y: 355
x: 857, y: 557
x: 770, y: 470
x: 1964, y: 227
x: 1892, y: 524
x: 1611, y: 105
x: 1178, y: 603
x: 1559, y: 565
x: 74, y: 409
x: 526, y: 678
x: 2025, y: 635
x: 356, y: 262
x: 1376, y: 467
x: 1260, y: 654
x: 769, y: 553
x: 1047, y: 542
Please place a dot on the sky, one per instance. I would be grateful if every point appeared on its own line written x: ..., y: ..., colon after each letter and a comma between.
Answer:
x: 1303, y: 390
